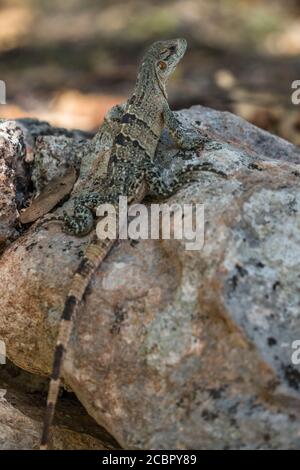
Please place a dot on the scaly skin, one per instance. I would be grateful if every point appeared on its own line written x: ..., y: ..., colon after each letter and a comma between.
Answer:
x: 132, y: 173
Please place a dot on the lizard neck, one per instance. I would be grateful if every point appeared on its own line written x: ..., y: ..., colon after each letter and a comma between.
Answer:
x: 148, y: 85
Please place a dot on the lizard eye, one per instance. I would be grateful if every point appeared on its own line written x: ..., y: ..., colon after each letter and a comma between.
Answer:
x: 162, y: 65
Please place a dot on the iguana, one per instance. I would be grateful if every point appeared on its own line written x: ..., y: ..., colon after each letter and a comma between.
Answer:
x: 131, y: 172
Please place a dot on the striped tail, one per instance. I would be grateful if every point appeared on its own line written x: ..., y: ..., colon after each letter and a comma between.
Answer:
x: 95, y: 253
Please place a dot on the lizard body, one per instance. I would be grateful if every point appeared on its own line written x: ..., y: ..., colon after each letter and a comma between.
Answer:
x: 131, y: 172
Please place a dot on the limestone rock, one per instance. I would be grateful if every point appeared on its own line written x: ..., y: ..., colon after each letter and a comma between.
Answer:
x: 175, y: 348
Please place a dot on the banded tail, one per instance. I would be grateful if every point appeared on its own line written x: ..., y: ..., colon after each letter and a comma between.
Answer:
x: 95, y: 253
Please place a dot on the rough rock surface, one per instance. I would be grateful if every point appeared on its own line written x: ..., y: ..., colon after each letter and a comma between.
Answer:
x: 32, y: 153
x: 22, y: 410
x: 175, y: 348
x: 11, y: 152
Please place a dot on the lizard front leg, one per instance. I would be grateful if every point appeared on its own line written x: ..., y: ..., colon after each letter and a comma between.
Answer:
x: 185, y: 140
x: 160, y: 186
x: 82, y: 221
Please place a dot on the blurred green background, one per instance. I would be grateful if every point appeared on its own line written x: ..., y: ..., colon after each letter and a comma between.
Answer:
x: 69, y: 61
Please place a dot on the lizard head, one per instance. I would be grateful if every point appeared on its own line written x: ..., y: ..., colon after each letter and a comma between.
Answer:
x: 165, y: 56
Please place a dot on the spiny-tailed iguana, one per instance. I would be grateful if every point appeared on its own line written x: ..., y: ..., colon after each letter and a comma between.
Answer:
x: 131, y: 172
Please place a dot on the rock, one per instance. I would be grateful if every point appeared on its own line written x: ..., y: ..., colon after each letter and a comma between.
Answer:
x: 177, y: 349
x: 51, y: 150
x: 20, y: 430
x: 32, y: 153
x: 53, y: 193
x: 22, y: 410
x: 53, y: 157
x: 11, y: 151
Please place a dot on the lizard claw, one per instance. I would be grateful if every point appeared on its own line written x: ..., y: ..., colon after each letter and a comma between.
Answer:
x: 207, y: 141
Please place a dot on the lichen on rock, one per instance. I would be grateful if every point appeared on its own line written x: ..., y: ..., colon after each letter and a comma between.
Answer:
x: 172, y: 348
